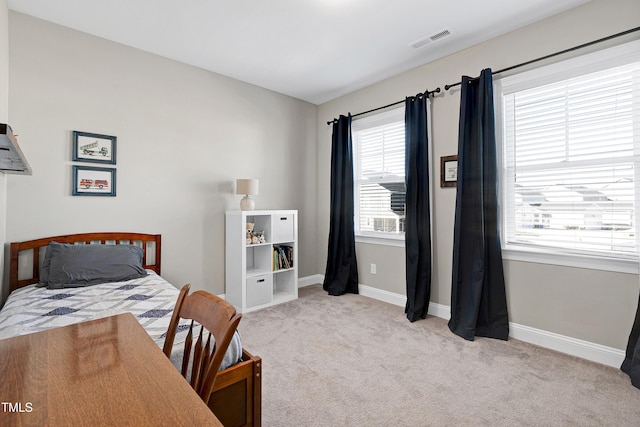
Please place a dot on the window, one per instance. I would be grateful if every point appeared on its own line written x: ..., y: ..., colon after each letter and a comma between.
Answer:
x: 570, y: 174
x: 379, y: 186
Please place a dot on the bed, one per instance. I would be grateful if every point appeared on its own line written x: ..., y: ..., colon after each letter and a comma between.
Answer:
x: 33, y: 305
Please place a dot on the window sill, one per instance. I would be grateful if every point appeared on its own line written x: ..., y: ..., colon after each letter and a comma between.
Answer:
x: 396, y: 241
x: 618, y: 265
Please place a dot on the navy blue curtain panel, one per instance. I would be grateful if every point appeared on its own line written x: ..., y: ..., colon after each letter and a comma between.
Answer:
x: 631, y: 363
x: 341, y: 274
x: 417, y: 215
x: 478, y: 299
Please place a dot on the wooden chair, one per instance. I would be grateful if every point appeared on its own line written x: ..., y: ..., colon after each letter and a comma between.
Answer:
x: 220, y: 320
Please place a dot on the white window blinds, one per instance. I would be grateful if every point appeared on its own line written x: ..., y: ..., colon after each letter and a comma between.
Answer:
x: 379, y: 179
x: 571, y: 159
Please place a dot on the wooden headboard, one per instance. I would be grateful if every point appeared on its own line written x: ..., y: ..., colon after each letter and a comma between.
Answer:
x: 34, y: 246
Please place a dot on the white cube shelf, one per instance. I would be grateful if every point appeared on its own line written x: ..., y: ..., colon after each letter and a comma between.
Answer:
x: 259, y: 275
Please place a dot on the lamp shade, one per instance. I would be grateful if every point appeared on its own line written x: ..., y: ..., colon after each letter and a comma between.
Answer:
x: 247, y: 186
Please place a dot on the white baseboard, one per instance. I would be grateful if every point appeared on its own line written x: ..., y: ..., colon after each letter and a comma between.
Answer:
x: 584, y: 349
x: 440, y: 310
x: 382, y: 295
x: 310, y: 280
x: 587, y: 350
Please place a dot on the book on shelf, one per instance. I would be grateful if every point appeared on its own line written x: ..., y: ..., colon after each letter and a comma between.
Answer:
x: 282, y: 257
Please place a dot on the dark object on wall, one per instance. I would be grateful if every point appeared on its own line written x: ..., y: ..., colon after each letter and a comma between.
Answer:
x: 94, y: 148
x: 478, y: 298
x: 92, y: 181
x: 341, y: 274
x: 448, y: 171
x: 12, y: 159
x: 631, y: 363
x: 418, y: 215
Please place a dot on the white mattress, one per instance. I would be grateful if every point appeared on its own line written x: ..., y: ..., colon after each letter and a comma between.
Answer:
x: 150, y: 299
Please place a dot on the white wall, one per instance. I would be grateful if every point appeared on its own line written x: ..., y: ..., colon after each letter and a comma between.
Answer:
x: 4, y: 118
x: 4, y: 61
x: 590, y: 305
x: 184, y: 136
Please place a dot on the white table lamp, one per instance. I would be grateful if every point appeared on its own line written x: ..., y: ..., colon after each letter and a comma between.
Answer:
x: 248, y: 187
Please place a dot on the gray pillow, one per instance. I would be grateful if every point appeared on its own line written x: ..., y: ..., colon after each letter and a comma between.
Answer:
x: 70, y: 266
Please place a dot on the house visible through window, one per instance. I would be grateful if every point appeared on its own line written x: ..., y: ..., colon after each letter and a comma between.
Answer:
x: 571, y: 156
x: 379, y: 181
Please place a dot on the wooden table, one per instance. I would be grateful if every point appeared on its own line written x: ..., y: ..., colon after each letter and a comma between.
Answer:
x: 106, y: 372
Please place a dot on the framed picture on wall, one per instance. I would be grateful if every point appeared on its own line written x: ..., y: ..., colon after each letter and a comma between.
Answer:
x: 448, y: 171
x: 93, y: 181
x: 94, y: 148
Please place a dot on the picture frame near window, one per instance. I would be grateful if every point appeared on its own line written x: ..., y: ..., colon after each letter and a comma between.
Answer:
x: 94, y: 181
x: 448, y: 171
x: 94, y: 147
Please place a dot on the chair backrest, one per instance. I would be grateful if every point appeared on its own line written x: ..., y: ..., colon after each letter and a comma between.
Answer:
x: 220, y: 320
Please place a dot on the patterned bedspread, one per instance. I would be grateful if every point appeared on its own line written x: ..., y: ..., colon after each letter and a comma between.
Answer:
x: 150, y: 299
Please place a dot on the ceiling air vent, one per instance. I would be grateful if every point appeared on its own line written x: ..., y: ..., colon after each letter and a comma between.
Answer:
x: 440, y: 35
x: 432, y: 38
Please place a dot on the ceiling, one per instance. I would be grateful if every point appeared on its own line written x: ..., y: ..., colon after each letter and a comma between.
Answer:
x: 314, y: 50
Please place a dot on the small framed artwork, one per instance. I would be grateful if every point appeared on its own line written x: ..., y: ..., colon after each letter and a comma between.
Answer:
x: 94, y: 148
x: 448, y: 171
x: 93, y: 181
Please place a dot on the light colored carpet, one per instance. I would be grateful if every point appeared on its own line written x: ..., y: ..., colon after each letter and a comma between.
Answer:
x: 355, y: 361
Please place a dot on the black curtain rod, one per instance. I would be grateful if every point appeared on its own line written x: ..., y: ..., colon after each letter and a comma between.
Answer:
x: 426, y: 92
x: 542, y: 58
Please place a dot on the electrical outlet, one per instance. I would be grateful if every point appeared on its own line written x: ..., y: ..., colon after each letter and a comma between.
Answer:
x: 373, y: 269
